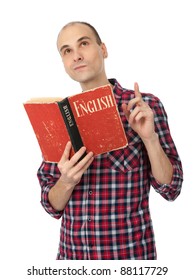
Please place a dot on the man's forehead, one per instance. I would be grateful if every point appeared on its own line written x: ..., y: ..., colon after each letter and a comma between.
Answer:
x: 72, y: 33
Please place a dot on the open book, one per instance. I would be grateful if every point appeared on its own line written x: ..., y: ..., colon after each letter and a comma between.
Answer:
x: 89, y: 119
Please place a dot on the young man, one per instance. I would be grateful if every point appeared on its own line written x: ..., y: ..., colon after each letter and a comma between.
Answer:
x: 104, y: 200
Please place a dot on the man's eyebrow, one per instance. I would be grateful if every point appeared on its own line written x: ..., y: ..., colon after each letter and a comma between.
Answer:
x: 64, y: 47
x: 84, y: 38
x: 79, y: 40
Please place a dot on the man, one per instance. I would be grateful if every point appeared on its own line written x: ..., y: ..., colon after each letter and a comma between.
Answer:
x: 104, y: 200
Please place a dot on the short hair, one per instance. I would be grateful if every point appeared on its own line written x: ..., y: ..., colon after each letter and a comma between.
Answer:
x: 98, y: 39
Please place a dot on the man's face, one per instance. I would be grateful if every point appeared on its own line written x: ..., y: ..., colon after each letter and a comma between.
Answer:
x: 82, y: 57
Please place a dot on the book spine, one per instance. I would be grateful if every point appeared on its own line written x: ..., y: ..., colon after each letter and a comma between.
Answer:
x: 71, y: 125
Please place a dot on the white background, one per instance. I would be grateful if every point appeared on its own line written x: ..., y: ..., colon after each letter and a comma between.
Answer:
x: 150, y: 42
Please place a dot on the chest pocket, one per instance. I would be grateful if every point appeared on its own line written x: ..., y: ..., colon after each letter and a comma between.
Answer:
x: 128, y: 158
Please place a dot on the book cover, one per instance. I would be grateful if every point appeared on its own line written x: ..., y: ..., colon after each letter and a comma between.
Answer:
x: 90, y: 118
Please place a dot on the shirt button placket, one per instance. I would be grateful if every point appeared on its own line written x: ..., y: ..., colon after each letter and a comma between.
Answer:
x: 90, y: 222
x: 90, y: 192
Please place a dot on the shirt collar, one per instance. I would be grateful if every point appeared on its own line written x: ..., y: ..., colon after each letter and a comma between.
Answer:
x: 117, y: 89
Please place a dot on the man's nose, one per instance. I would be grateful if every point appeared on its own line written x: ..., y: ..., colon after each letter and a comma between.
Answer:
x: 78, y: 56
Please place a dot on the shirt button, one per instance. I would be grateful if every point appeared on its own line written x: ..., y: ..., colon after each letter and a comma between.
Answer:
x: 90, y: 192
x: 89, y: 219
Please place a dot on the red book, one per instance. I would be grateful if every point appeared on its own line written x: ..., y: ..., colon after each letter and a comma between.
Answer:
x: 89, y: 119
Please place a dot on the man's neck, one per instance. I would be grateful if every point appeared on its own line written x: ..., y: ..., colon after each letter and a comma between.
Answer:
x: 94, y: 84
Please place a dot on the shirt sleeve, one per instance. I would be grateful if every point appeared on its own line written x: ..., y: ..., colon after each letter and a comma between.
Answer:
x: 169, y: 191
x: 48, y: 174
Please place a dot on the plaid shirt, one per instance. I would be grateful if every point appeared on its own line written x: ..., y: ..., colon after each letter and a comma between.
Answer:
x: 107, y: 216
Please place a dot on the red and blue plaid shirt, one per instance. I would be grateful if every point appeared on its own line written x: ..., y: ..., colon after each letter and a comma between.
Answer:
x: 107, y: 216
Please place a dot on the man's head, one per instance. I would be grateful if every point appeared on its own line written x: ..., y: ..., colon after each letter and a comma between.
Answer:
x: 98, y: 39
x: 83, y: 54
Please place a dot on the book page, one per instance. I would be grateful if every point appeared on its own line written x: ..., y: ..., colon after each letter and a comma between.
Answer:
x: 44, y: 99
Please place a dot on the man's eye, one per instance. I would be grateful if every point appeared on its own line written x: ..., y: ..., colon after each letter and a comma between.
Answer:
x: 67, y: 51
x: 84, y: 43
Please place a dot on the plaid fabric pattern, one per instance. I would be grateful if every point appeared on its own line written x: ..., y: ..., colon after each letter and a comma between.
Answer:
x: 107, y: 216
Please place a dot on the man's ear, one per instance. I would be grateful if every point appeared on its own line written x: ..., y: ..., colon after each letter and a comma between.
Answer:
x: 104, y: 50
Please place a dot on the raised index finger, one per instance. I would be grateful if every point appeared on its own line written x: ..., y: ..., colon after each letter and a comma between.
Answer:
x: 137, y: 92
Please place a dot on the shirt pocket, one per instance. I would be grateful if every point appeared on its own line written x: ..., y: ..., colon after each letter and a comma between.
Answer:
x: 128, y: 158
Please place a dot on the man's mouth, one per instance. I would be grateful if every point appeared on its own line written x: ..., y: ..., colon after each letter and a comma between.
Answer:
x: 79, y: 67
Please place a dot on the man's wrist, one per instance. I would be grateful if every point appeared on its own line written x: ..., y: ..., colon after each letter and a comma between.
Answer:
x: 151, y: 140
x: 63, y: 184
